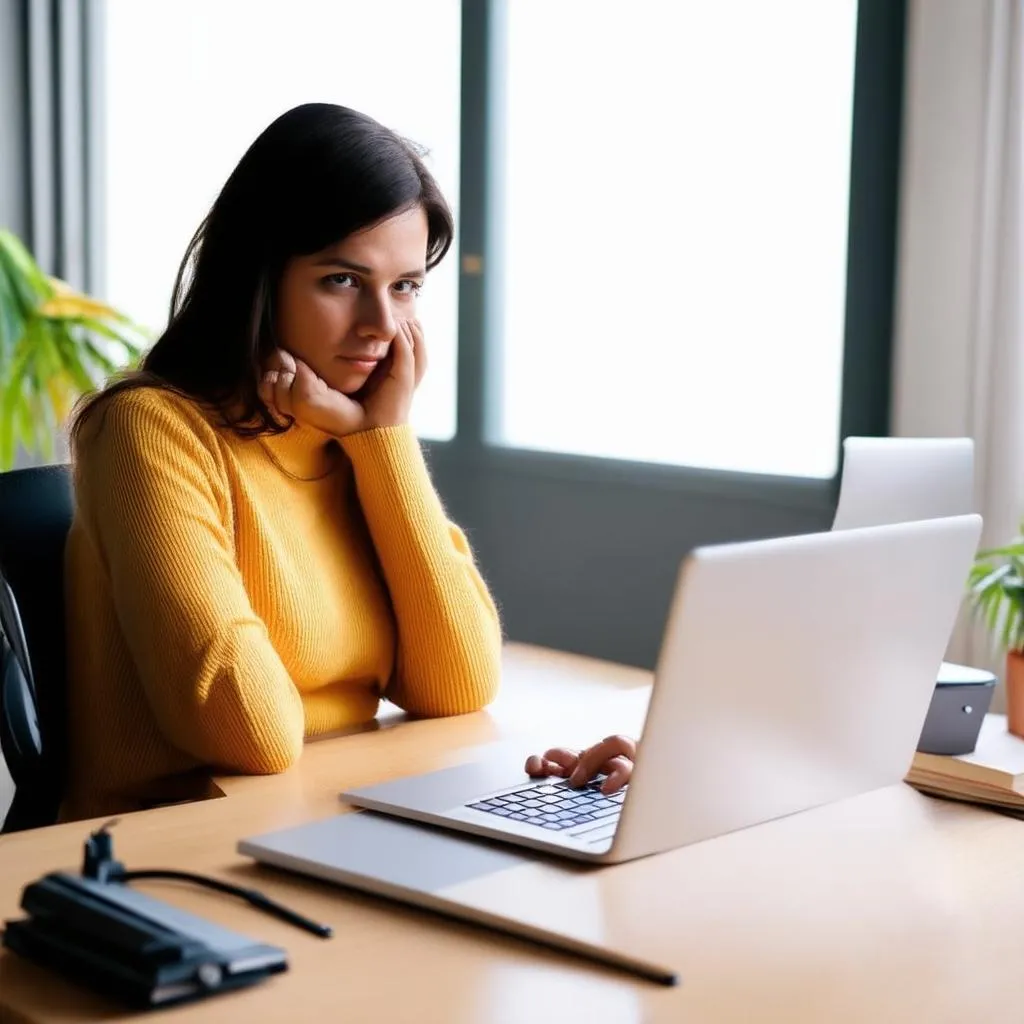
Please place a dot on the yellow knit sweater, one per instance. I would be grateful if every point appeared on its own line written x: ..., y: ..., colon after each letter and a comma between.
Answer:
x: 229, y: 597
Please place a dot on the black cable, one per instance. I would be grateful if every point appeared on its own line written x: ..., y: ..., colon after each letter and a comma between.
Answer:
x: 252, y: 896
x: 99, y: 863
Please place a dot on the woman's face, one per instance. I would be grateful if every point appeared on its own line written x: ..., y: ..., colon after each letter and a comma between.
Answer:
x: 338, y: 310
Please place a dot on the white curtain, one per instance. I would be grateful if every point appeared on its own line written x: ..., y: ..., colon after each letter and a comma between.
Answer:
x: 996, y: 397
x: 959, y: 333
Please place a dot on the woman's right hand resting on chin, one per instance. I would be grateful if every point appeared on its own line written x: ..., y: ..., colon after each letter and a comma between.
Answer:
x: 613, y: 757
x: 291, y: 388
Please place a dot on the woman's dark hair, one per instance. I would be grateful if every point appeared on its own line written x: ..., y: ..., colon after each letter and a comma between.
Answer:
x: 316, y: 175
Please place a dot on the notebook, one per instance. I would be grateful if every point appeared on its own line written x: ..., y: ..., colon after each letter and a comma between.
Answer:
x: 992, y: 774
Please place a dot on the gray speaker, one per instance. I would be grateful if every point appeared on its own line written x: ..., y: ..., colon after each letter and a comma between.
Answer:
x: 959, y: 704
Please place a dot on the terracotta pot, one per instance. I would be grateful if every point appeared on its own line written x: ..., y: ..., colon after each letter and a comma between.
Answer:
x: 1015, y: 693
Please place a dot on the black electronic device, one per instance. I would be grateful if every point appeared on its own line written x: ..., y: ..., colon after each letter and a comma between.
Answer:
x: 94, y: 929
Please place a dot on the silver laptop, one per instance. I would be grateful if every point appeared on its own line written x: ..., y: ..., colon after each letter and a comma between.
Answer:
x: 899, y: 479
x: 793, y: 672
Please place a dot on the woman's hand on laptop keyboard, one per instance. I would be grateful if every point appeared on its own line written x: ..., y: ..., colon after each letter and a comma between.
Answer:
x: 613, y: 757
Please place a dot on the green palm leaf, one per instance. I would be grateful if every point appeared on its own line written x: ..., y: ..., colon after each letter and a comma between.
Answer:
x: 75, y: 364
x: 989, y: 577
x: 132, y: 345
x: 101, y: 359
x: 12, y: 319
x: 49, y: 356
x: 28, y: 282
x: 996, y: 590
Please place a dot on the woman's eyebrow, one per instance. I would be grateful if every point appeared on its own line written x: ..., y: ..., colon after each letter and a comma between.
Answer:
x: 335, y: 261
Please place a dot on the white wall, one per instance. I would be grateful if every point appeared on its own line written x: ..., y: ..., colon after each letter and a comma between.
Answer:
x: 13, y: 185
x: 944, y: 111
x: 940, y: 303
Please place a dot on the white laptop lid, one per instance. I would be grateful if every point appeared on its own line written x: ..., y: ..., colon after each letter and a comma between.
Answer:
x: 794, y: 672
x: 898, y: 479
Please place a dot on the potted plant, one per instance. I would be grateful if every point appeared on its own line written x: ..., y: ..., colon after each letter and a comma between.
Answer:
x: 55, y: 345
x: 997, y: 599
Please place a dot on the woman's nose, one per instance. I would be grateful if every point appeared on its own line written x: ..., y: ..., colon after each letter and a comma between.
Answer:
x: 376, y: 318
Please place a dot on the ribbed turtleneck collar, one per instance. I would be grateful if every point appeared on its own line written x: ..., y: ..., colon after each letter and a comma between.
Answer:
x: 303, y: 452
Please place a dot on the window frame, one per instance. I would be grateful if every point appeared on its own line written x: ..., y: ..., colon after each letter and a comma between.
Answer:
x: 870, y: 281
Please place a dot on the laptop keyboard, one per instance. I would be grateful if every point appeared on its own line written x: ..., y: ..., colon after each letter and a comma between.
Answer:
x: 556, y: 805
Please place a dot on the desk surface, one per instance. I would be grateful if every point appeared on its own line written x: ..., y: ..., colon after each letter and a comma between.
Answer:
x: 887, y: 907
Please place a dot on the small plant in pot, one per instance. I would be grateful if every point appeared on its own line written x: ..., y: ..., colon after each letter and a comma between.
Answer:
x: 997, y: 599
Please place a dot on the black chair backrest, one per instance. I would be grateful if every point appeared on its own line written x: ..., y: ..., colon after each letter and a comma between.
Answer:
x: 20, y: 739
x: 36, y: 509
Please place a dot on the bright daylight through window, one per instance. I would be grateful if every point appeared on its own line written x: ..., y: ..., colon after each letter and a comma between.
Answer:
x: 675, y: 230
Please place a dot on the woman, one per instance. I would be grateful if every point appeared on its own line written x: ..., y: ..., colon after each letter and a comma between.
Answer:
x: 258, y: 555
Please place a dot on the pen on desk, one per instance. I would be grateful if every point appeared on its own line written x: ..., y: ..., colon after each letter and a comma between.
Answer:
x: 257, y: 899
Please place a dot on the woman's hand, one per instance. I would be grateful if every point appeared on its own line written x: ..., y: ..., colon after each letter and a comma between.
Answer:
x: 613, y: 756
x: 292, y: 389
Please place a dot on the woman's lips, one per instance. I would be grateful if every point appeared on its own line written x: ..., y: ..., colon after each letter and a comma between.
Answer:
x: 363, y: 365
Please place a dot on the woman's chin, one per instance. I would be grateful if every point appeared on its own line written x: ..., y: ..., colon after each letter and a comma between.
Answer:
x: 348, y: 383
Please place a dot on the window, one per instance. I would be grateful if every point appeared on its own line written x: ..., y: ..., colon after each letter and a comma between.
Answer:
x: 677, y: 189
x: 190, y: 84
x: 688, y: 227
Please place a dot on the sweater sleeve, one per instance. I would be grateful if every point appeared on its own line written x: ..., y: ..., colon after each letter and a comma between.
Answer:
x: 449, y: 636
x: 154, y: 492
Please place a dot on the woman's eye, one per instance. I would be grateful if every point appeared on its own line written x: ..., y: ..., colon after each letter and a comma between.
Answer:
x: 409, y: 287
x: 342, y: 280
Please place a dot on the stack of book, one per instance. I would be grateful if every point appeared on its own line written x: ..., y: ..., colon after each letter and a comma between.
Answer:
x: 993, y: 774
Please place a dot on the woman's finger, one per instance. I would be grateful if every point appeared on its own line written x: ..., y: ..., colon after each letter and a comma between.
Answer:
x: 618, y: 770
x: 538, y: 767
x: 283, y: 392
x: 403, y: 360
x: 305, y: 382
x: 285, y: 360
x: 563, y: 757
x: 266, y: 387
x: 558, y: 761
x: 594, y: 757
x: 419, y: 349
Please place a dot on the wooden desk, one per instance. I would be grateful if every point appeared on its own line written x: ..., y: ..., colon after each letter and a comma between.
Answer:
x: 888, y: 907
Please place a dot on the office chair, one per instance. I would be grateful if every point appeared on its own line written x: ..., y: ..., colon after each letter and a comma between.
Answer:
x: 36, y: 509
x: 20, y: 740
